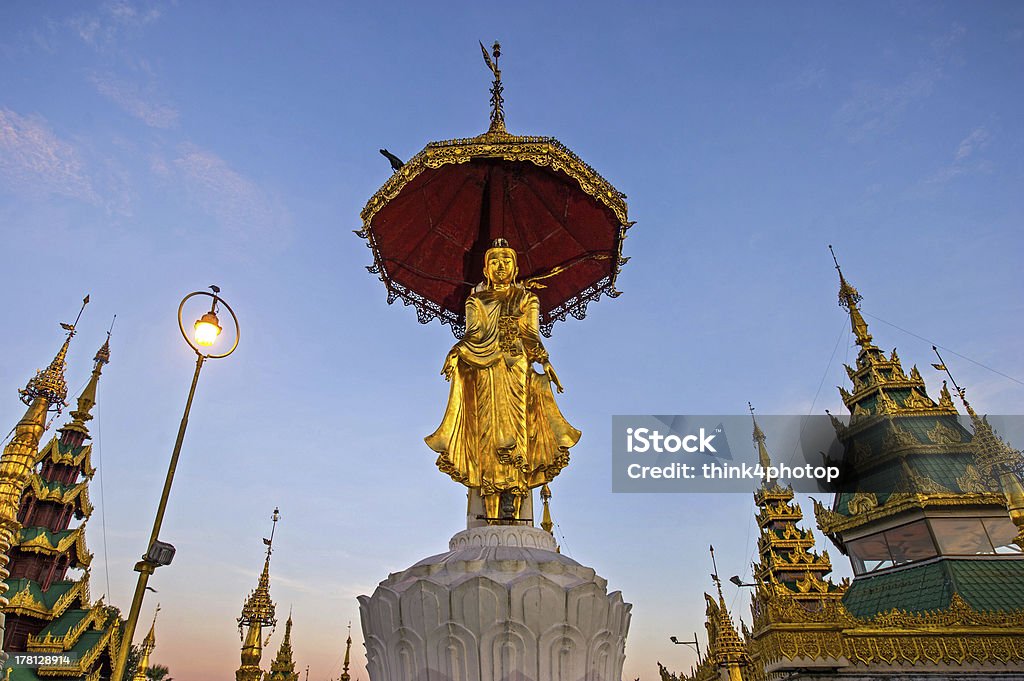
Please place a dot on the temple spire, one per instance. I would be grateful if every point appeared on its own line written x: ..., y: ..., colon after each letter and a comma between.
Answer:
x: 257, y: 612
x: 497, y: 101
x: 849, y: 299
x: 87, y: 400
x: 283, y: 666
x: 348, y: 651
x: 49, y: 383
x: 762, y: 448
x: 44, y: 392
x: 148, y: 644
x: 725, y: 648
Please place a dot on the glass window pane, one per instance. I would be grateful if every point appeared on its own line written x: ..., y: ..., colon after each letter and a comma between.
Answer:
x: 961, y: 536
x: 1002, y: 532
x: 869, y: 554
x: 910, y: 542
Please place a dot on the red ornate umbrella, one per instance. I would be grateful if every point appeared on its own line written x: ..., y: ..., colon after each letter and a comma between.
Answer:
x: 429, y: 225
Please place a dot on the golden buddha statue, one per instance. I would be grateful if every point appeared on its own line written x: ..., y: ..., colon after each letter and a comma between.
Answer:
x: 502, y: 433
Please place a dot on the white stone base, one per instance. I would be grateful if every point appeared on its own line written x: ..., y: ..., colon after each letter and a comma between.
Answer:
x: 501, y: 605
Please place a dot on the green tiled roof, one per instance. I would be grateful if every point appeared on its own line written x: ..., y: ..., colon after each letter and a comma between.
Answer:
x: 48, y: 597
x: 65, y: 448
x: 53, y: 538
x: 987, y: 585
x: 64, y: 623
x: 87, y: 641
x: 993, y: 585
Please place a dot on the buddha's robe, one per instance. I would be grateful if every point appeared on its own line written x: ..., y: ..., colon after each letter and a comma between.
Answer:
x: 502, y: 430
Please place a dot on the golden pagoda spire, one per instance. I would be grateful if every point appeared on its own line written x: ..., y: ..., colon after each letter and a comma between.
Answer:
x: 257, y: 612
x: 44, y: 392
x: 348, y: 651
x: 725, y: 647
x: 849, y: 299
x: 148, y: 644
x: 762, y: 448
x: 87, y: 400
x: 283, y: 666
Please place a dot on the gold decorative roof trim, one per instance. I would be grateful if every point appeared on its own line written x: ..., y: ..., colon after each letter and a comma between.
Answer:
x: 96, y: 616
x: 831, y: 522
x: 109, y: 641
x: 40, y: 544
x: 24, y: 602
x: 79, y: 492
x: 83, y: 459
x: 784, y: 629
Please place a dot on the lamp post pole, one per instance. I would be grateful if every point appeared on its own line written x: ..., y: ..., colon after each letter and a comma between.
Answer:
x: 207, y: 328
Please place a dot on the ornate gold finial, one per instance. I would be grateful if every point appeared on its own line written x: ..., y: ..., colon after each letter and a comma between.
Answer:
x: 87, y: 400
x: 497, y: 101
x: 348, y: 649
x: 546, y: 524
x: 849, y: 299
x: 49, y: 383
x: 762, y: 448
x: 257, y: 612
x: 148, y: 645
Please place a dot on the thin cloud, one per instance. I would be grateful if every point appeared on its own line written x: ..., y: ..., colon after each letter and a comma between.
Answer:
x: 104, y: 28
x: 34, y: 162
x: 976, y: 140
x: 129, y: 98
x: 964, y: 159
x: 245, y: 211
x: 875, y: 109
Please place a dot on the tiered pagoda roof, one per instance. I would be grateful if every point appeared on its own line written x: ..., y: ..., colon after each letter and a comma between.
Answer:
x: 932, y: 516
x: 50, y: 610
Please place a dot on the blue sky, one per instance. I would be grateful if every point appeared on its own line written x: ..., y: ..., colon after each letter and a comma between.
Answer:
x: 151, y: 149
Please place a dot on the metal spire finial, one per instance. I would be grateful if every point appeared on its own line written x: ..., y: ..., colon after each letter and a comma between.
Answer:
x: 849, y: 298
x: 714, y: 575
x: 49, y: 383
x: 497, y: 101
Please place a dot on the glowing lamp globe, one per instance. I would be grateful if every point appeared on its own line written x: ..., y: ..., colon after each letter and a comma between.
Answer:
x: 207, y: 329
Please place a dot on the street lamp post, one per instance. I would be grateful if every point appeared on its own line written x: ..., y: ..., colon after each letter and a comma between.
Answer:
x: 205, y: 332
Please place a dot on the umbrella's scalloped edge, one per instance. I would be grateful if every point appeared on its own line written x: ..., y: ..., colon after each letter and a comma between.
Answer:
x: 541, y: 151
x: 427, y: 310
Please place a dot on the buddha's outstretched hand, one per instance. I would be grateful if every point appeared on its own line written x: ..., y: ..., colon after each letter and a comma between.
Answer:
x: 451, y: 363
x: 552, y: 376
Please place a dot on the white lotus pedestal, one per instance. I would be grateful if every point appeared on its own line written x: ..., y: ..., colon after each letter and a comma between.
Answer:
x: 501, y: 605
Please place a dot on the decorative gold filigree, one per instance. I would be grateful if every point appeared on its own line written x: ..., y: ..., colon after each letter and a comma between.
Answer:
x: 943, y: 434
x: 862, y: 502
x: 916, y: 401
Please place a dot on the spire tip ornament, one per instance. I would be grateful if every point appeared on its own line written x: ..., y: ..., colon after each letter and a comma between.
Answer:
x: 497, y: 101
x: 849, y: 300
x: 49, y: 383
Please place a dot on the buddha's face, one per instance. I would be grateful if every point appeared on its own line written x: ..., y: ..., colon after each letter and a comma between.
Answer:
x: 500, y: 267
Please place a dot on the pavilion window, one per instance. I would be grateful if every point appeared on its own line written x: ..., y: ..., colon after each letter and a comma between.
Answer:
x: 1002, y: 532
x: 961, y: 536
